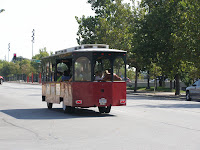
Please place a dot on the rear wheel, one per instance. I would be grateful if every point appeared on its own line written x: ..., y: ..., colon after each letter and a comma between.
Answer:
x: 101, y: 109
x: 188, y: 98
x: 49, y: 105
x: 105, y: 109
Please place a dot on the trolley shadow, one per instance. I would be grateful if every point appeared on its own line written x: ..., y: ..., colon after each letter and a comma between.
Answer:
x: 55, y: 113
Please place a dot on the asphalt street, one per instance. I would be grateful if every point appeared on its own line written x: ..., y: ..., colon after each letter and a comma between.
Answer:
x: 146, y: 123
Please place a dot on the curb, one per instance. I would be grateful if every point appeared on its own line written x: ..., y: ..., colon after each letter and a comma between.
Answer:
x: 158, y: 94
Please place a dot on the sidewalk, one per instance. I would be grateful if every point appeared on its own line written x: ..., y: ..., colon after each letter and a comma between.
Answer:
x: 22, y: 82
x: 156, y: 94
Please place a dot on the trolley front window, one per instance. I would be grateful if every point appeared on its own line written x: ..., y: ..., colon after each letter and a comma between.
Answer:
x: 101, y: 66
x: 109, y: 69
x: 119, y: 69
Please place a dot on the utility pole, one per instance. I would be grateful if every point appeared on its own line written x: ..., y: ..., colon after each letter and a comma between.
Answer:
x: 8, y: 50
x: 33, y: 39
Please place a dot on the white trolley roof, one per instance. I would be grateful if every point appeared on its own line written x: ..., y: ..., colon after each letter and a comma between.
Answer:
x: 87, y: 48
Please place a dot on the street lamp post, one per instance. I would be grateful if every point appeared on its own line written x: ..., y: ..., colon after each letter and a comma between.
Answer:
x: 33, y: 39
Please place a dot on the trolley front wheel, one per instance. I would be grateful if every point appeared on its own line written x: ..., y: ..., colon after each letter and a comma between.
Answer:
x: 68, y: 109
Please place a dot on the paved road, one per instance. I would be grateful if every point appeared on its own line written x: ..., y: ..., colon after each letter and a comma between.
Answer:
x: 146, y: 123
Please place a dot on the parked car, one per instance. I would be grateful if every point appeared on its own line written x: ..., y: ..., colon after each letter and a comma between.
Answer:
x: 193, y: 92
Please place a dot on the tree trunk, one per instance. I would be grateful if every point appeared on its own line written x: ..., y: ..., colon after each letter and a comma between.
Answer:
x: 148, y: 78
x: 136, y: 78
x: 177, y: 78
x: 160, y: 82
x: 171, y: 84
x: 174, y: 84
x: 156, y: 83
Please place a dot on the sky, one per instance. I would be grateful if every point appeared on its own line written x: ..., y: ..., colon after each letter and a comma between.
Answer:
x: 53, y: 21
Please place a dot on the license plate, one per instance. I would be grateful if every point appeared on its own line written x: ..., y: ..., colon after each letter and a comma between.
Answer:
x: 102, y: 101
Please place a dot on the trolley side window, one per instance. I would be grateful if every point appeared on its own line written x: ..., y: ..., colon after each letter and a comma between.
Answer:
x: 47, y: 72
x: 52, y: 72
x: 61, y: 67
x: 83, y: 69
x: 119, y: 69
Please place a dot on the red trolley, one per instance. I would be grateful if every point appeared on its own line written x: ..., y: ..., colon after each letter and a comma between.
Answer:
x: 90, y: 75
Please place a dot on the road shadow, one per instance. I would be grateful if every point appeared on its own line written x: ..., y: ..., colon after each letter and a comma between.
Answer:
x: 54, y: 113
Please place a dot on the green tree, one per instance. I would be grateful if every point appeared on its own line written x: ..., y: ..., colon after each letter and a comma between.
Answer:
x: 111, y: 25
x: 26, y: 67
x: 155, y: 71
x: 8, y: 69
x: 114, y: 26
x: 86, y: 31
x: 42, y: 53
x: 36, y: 65
x: 162, y: 35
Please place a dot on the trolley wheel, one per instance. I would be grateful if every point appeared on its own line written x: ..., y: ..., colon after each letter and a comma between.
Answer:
x: 68, y: 109
x: 72, y: 109
x: 107, y: 109
x: 101, y: 109
x: 49, y: 105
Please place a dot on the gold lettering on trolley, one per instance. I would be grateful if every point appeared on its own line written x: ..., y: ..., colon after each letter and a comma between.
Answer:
x: 65, y: 55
